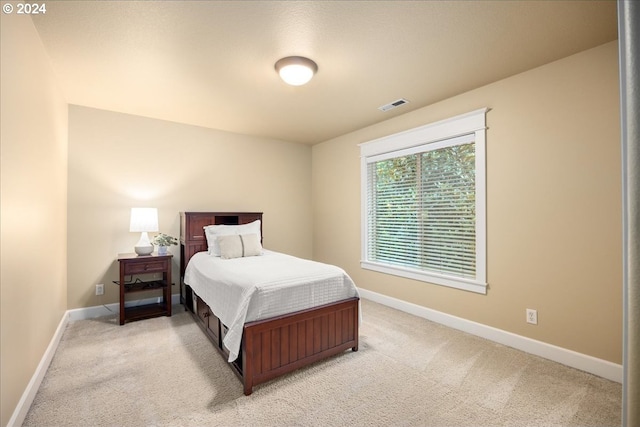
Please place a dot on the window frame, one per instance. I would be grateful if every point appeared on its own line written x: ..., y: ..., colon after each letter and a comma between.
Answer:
x: 433, y: 135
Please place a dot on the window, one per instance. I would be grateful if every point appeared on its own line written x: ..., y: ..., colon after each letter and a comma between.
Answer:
x: 423, y: 203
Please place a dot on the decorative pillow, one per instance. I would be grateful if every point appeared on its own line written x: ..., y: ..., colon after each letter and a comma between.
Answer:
x: 239, y: 245
x: 213, y: 232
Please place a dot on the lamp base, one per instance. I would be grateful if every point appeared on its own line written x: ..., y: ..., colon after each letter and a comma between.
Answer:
x: 143, y: 250
x: 144, y: 246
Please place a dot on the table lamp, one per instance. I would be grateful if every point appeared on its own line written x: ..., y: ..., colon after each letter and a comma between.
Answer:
x: 144, y: 220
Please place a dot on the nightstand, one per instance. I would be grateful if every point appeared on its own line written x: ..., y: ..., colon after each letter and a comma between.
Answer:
x: 135, y: 271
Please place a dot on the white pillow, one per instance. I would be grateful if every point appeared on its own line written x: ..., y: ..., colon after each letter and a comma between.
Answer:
x: 212, y: 232
x: 239, y: 245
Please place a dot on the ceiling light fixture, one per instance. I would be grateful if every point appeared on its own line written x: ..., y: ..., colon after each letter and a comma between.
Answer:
x: 296, y: 70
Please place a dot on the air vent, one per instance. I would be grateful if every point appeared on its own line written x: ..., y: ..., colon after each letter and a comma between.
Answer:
x: 393, y: 104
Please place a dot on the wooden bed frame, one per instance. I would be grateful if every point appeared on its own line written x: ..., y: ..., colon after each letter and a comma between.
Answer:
x: 271, y: 347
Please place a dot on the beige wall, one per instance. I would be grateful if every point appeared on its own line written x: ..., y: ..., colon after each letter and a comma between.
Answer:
x: 119, y: 161
x: 33, y: 201
x: 553, y: 205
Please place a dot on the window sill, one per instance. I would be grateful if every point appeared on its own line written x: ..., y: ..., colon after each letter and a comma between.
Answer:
x: 451, y: 282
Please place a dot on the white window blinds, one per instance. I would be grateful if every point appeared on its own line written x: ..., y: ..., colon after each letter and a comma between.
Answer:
x: 421, y: 212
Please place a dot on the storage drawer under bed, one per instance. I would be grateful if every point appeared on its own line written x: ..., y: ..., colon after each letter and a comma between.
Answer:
x: 209, y: 321
x: 213, y: 327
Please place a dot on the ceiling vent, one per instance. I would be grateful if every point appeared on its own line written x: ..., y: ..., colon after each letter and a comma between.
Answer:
x: 393, y: 104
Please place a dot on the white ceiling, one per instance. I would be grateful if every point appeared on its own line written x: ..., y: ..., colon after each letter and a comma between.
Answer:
x: 211, y: 63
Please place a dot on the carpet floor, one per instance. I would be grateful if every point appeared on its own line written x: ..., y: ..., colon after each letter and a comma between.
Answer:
x: 408, y: 372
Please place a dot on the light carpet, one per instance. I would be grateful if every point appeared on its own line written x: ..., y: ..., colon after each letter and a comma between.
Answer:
x: 408, y: 372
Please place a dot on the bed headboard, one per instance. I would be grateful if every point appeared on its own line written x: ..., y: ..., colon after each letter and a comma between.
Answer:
x: 192, y: 238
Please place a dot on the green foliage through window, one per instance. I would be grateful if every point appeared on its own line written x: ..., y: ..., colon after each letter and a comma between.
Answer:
x: 421, y: 211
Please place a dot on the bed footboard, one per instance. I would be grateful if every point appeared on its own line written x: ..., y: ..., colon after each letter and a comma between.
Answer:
x: 279, y: 345
x: 283, y: 344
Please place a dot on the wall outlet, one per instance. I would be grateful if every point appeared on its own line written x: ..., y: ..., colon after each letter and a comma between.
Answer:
x: 100, y: 289
x: 532, y: 316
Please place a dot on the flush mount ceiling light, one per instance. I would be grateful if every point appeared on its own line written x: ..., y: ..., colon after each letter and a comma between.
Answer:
x: 296, y: 70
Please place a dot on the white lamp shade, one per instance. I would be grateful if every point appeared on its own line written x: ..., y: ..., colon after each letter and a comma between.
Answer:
x: 144, y: 219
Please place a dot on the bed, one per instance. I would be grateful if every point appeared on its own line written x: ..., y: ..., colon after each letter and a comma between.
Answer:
x: 262, y: 342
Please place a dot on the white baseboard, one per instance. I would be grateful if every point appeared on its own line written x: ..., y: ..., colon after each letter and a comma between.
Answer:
x: 29, y: 394
x: 583, y: 362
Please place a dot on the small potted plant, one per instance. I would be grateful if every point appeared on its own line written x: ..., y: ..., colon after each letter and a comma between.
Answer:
x: 164, y: 241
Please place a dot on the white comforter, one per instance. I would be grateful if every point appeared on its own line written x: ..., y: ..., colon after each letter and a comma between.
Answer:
x: 241, y: 290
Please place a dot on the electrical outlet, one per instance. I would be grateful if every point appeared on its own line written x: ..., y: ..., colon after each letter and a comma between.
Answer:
x: 532, y: 316
x: 100, y: 289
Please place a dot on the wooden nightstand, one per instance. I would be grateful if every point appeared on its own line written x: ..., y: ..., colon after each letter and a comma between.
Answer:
x: 137, y: 267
